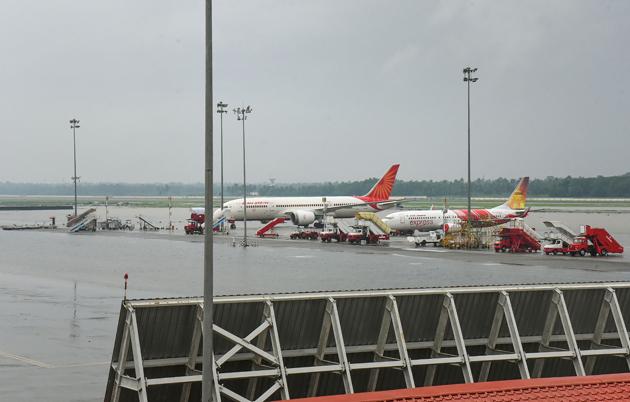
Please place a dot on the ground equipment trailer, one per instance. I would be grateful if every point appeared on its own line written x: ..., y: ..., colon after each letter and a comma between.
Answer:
x: 267, y: 230
x: 516, y: 240
x: 595, y: 241
x: 304, y: 235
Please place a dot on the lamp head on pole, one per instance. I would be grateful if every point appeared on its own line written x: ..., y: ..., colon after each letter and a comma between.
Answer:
x: 467, y: 74
x: 221, y: 107
x: 241, y: 112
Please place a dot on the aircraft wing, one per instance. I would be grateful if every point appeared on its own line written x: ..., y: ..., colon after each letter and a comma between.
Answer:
x: 320, y: 211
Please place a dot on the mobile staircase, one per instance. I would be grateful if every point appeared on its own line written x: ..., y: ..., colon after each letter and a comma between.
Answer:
x: 595, y: 241
x: 560, y: 231
x: 216, y: 226
x: 378, y: 230
x: 517, y: 237
x: 83, y: 221
x: 146, y: 225
x: 267, y: 230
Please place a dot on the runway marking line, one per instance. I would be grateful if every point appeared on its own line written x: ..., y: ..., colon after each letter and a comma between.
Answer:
x: 425, y: 250
x: 37, y: 363
x: 25, y: 359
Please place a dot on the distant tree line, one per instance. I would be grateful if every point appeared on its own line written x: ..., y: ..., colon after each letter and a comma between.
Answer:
x: 600, y: 186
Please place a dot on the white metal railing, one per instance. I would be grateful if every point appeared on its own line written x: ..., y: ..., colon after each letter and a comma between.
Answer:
x: 269, y: 363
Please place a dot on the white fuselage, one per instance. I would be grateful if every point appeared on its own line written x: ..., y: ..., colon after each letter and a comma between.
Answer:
x: 426, y: 220
x: 266, y: 208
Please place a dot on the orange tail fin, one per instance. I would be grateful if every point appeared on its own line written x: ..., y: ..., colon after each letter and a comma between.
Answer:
x: 383, y: 188
x: 519, y: 196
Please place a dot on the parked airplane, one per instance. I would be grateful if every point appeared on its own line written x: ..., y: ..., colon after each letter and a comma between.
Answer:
x: 303, y: 211
x: 452, y: 220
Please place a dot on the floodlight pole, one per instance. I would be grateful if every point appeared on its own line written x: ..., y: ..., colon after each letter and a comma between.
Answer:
x: 74, y: 124
x: 221, y: 110
x: 468, y: 79
x: 207, y: 377
x: 241, y: 115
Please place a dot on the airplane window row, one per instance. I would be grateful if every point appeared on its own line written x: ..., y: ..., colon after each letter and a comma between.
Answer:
x: 310, y: 205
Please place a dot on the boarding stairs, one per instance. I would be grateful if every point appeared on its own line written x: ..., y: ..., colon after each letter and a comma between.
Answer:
x: 263, y: 231
x: 531, y: 232
x: 146, y: 225
x: 560, y: 231
x: 74, y: 220
x: 344, y: 227
x: 88, y: 223
x: 518, y: 237
x: 373, y: 222
x: 216, y: 226
x: 83, y: 221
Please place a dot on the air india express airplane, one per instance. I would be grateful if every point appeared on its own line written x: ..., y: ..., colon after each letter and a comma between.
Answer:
x: 303, y: 211
x: 453, y: 219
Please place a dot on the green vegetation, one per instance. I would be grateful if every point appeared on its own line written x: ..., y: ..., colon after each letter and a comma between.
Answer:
x: 574, y: 187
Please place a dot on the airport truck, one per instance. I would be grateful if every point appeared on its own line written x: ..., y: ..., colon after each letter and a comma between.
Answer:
x: 304, y: 235
x: 421, y: 239
x: 595, y: 241
x: 330, y: 234
x: 195, y: 224
x: 557, y: 246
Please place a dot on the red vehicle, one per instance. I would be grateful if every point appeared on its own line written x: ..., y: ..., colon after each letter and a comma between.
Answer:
x: 305, y: 235
x: 267, y: 231
x: 556, y: 247
x: 516, y: 240
x: 329, y: 235
x: 195, y: 224
x: 595, y: 241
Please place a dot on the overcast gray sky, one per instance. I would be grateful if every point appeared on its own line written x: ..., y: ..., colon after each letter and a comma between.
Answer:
x: 340, y: 89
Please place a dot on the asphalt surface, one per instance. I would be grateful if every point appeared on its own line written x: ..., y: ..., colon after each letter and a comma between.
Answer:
x: 60, y: 293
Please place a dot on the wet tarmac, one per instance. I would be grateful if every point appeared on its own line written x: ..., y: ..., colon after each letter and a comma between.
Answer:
x: 60, y: 294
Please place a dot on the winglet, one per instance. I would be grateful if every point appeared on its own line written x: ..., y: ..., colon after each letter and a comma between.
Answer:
x: 383, y: 188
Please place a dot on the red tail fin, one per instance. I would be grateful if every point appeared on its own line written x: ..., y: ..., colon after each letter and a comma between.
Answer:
x: 383, y: 188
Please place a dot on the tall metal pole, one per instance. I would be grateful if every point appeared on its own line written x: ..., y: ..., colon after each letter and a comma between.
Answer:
x: 207, y: 378
x: 241, y: 114
x: 221, y: 110
x: 245, y: 244
x: 468, y: 79
x: 74, y: 125
x: 468, y: 82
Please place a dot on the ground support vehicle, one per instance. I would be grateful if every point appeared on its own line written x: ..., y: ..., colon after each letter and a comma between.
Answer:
x: 193, y: 227
x: 421, y: 239
x: 304, y: 235
x: 595, y: 241
x: 195, y: 224
x: 557, y: 246
x: 267, y: 230
x: 329, y: 235
x: 516, y: 240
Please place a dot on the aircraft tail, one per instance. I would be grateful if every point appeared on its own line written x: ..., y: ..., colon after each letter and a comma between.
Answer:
x: 518, y: 198
x: 383, y: 188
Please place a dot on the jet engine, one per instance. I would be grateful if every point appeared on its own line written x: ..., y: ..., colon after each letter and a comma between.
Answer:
x: 452, y: 227
x: 302, y: 218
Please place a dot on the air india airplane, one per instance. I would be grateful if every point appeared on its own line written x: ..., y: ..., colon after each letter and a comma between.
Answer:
x: 302, y: 211
x: 452, y: 220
